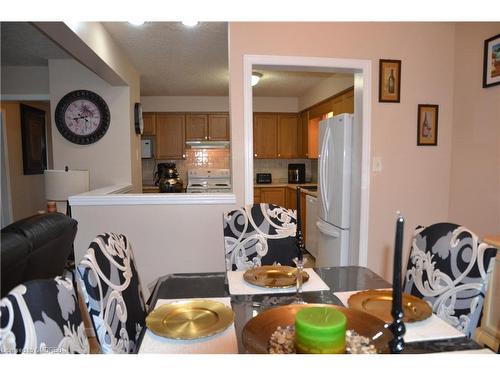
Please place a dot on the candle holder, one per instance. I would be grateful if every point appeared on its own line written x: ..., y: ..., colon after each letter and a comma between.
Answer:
x: 397, y: 327
x: 300, y: 268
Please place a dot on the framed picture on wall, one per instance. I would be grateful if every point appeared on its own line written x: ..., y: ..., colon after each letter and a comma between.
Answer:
x: 427, y: 124
x: 33, y: 140
x: 491, y: 63
x: 389, y: 85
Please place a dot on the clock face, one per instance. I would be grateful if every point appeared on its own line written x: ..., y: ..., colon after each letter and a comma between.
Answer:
x: 82, y: 117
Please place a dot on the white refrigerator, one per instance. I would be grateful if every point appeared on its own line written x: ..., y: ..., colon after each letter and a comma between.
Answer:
x: 334, y: 190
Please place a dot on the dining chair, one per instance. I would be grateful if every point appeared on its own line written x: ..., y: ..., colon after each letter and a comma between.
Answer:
x: 112, y: 292
x: 449, y: 268
x: 42, y: 316
x: 259, y: 234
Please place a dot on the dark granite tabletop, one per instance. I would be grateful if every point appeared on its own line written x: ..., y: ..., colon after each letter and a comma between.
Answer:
x: 339, y: 279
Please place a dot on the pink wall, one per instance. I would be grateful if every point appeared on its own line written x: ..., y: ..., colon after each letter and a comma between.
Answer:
x: 415, y: 180
x: 475, y: 169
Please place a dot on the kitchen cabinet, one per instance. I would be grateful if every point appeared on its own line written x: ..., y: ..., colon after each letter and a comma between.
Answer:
x: 265, y: 136
x: 308, y: 136
x: 275, y: 135
x: 291, y: 198
x: 170, y: 136
x: 196, y: 127
x: 288, y: 126
x: 256, y: 195
x: 274, y: 195
x: 149, y: 120
x: 213, y: 127
x: 218, y: 127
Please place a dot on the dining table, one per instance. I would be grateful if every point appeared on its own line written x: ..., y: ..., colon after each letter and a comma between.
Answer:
x: 179, y: 286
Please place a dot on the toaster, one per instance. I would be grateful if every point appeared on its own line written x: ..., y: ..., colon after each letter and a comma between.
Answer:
x: 264, y: 178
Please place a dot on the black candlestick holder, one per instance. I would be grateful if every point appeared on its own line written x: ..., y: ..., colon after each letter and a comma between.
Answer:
x: 397, y: 327
x: 299, y: 237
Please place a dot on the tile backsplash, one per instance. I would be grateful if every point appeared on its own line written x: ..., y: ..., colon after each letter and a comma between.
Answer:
x: 279, y: 168
x: 210, y: 158
x: 195, y: 158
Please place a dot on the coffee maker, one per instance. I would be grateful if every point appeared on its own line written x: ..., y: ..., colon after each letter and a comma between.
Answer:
x: 296, y: 173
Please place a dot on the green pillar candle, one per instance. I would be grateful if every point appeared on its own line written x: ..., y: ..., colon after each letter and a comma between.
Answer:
x: 320, y: 330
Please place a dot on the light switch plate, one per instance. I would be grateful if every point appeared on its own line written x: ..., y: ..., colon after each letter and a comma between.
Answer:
x: 377, y: 164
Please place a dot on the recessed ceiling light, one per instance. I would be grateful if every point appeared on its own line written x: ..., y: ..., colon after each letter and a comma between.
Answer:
x: 256, y: 78
x: 190, y: 23
x: 137, y: 23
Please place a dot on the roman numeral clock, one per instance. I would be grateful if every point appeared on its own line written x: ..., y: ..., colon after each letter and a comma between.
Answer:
x: 82, y: 117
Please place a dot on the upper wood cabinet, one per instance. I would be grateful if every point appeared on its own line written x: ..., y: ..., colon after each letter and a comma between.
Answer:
x: 275, y: 135
x: 196, y: 127
x: 218, y: 127
x: 149, y: 120
x: 213, y: 127
x: 303, y: 135
x: 288, y: 127
x: 170, y: 136
x: 265, y: 135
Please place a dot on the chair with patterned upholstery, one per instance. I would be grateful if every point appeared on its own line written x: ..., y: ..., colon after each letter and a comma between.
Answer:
x: 258, y: 235
x: 42, y: 316
x: 449, y: 268
x: 112, y: 293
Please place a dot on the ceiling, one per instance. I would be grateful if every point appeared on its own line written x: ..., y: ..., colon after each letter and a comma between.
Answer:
x: 173, y: 60
x: 23, y: 44
x: 176, y: 60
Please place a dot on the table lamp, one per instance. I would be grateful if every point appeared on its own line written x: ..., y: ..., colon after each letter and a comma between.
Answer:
x: 62, y: 184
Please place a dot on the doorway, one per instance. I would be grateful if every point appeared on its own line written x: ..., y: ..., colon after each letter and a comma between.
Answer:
x: 361, y: 69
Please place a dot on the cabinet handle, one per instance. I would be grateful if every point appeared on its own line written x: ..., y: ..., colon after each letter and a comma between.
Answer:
x: 183, y: 156
x: 206, y: 137
x: 279, y: 155
x: 254, y: 155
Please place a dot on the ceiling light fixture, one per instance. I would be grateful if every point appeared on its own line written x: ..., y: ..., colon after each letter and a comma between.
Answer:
x: 256, y: 78
x: 137, y: 23
x: 190, y: 23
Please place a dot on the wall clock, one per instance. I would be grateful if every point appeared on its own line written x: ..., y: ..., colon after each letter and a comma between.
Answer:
x: 139, y: 123
x: 82, y: 117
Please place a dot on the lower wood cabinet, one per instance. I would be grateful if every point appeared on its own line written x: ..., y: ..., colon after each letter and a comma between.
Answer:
x: 274, y: 195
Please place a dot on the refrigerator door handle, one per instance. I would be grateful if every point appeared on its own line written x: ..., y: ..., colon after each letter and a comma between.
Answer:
x: 324, y: 170
x: 327, y: 229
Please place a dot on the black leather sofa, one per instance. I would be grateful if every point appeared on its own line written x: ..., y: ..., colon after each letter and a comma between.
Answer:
x: 36, y: 247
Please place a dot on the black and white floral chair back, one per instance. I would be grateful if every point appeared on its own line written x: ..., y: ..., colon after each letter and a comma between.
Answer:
x: 259, y: 234
x: 112, y: 292
x: 449, y: 268
x: 42, y: 316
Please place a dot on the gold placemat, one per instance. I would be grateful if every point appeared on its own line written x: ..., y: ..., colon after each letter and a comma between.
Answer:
x: 190, y: 319
x: 273, y: 276
x: 379, y: 304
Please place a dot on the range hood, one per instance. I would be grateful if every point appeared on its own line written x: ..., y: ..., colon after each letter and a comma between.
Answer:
x: 207, y: 144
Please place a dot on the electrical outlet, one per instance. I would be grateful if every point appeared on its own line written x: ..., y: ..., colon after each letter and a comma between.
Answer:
x: 377, y: 164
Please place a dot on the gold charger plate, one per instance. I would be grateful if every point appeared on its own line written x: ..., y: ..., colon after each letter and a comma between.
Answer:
x: 258, y: 330
x: 379, y: 303
x: 273, y: 276
x: 186, y: 320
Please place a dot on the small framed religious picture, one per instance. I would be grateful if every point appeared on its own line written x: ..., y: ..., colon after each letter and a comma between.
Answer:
x: 389, y: 86
x: 491, y: 63
x: 427, y: 125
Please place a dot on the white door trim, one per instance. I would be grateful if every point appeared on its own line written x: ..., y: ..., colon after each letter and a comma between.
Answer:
x: 362, y: 91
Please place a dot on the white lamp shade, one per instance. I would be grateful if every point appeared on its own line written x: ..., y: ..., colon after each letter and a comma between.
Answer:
x: 60, y: 184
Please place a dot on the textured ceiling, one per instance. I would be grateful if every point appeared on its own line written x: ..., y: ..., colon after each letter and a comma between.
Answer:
x: 179, y: 61
x: 175, y: 60
x: 23, y: 44
x: 287, y: 83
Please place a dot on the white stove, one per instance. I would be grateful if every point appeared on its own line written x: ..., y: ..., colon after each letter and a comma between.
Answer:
x: 209, y: 180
